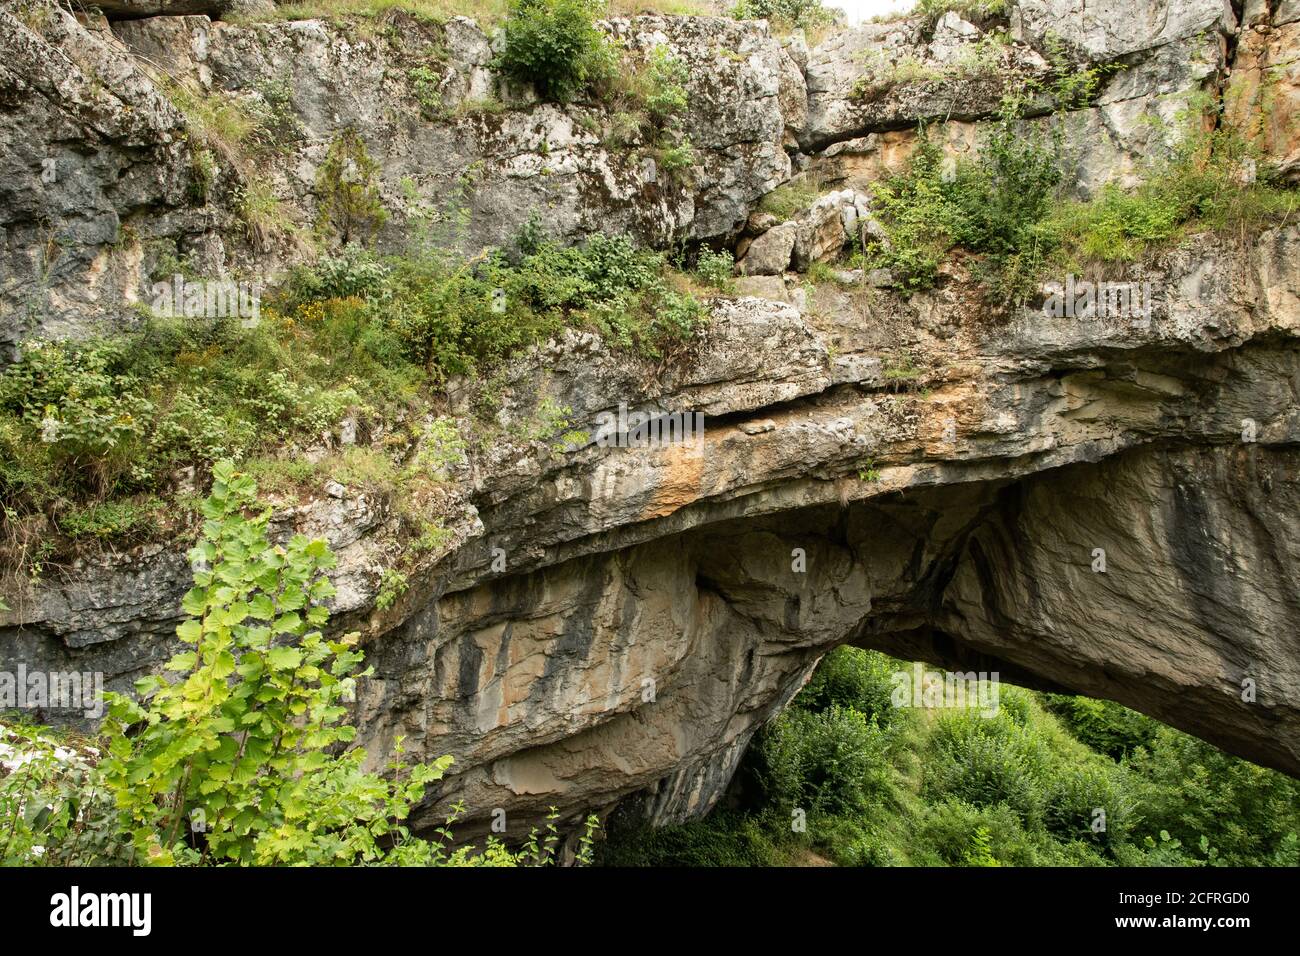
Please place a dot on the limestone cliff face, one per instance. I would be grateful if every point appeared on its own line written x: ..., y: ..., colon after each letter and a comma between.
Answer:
x: 909, y: 474
x: 95, y: 154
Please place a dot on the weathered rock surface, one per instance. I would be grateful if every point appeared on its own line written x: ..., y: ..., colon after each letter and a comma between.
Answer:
x: 868, y: 85
x: 1112, y: 28
x: 697, y: 549
x: 139, y: 9
x: 882, y: 76
x: 459, y: 158
x: 770, y: 253
x: 467, y: 160
x: 917, y: 475
x: 86, y: 140
x: 649, y: 617
x: 1263, y: 97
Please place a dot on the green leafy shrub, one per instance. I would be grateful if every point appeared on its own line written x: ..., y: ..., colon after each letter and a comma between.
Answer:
x: 979, y: 11
x: 242, y: 756
x: 1214, y: 181
x: 820, y: 761
x: 1104, y: 725
x: 1004, y: 205
x: 1074, y: 82
x: 279, y: 126
x: 990, y: 206
x: 452, y: 317
x: 676, y: 158
x: 857, y: 841
x: 998, y: 200
x: 913, y: 210
x: 446, y: 316
x: 664, y: 94
x: 1163, y: 851
x: 620, y: 289
x: 962, y: 834
x: 1017, y: 705
x: 56, y: 808
x: 85, y: 426
x: 81, y: 410
x: 392, y: 585
x: 556, y: 46
x: 984, y: 762
x: 802, y: 14
x: 851, y: 677
x: 238, y: 742
x: 1073, y: 796
x: 426, y: 84
x: 647, y: 105
x: 657, y: 326
x: 1248, y: 815
x: 354, y: 273
x: 716, y: 268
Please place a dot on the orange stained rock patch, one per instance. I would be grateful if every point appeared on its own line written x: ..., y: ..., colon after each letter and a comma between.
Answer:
x: 682, y: 471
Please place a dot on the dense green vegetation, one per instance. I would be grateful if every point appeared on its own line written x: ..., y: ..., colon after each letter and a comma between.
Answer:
x: 1006, y: 206
x: 976, y: 11
x: 93, y: 432
x: 488, y: 13
x: 556, y: 46
x: 879, y: 785
x: 786, y: 14
x: 240, y: 755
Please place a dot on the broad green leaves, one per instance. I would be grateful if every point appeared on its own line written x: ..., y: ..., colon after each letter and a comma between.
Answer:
x: 239, y: 754
x: 246, y: 736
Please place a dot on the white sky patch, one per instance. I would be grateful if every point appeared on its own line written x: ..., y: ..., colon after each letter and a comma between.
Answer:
x: 860, y: 11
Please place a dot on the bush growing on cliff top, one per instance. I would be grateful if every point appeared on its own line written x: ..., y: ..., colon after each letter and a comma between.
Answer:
x: 82, y: 423
x: 556, y: 46
x: 1003, y: 205
x: 461, y: 319
x: 790, y: 14
x: 664, y: 88
x: 990, y: 206
x: 1213, y: 181
x: 90, y: 422
x: 976, y: 10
